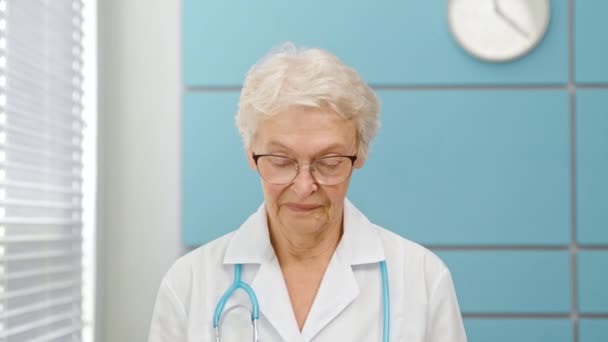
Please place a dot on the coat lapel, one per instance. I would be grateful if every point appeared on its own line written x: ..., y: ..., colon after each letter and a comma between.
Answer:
x: 338, y: 289
x: 273, y: 297
x: 360, y: 244
x: 251, y: 245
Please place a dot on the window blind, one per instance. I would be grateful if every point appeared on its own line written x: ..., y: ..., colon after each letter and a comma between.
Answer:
x: 40, y: 170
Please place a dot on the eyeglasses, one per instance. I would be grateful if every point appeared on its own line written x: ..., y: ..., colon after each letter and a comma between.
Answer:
x: 279, y: 170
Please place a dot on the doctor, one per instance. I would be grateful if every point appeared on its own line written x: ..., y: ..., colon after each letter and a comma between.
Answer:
x: 307, y: 265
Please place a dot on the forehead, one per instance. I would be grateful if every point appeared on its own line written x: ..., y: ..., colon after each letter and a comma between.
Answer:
x: 307, y: 130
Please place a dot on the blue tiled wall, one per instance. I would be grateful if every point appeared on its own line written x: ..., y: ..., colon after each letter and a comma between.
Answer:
x: 593, y: 330
x: 591, y: 41
x: 495, y: 281
x: 592, y: 165
x: 500, y: 168
x: 488, y: 167
x: 520, y: 330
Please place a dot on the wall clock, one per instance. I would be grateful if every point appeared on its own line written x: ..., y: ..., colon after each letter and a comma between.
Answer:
x: 498, y: 30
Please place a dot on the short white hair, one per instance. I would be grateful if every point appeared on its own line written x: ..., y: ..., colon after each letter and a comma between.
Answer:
x: 310, y: 77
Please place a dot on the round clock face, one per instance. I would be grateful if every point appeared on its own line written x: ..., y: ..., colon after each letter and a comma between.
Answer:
x: 498, y: 30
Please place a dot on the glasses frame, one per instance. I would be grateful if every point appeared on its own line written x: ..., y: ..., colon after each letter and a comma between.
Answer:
x: 352, y: 159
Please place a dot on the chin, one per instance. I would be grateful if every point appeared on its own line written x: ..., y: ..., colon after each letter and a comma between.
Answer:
x: 307, y: 221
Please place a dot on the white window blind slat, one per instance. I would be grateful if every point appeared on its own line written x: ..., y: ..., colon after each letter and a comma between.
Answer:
x: 28, y: 82
x: 40, y: 238
x: 23, y: 80
x: 58, y: 27
x: 40, y: 204
x: 45, y: 305
x: 37, y: 221
x: 26, y: 163
x: 33, y: 153
x: 27, y: 69
x: 51, y: 170
x: 61, y: 333
x: 40, y: 187
x: 30, y: 60
x: 49, y: 319
x: 42, y: 289
x: 51, y: 102
x: 52, y: 36
x: 34, y: 72
x: 40, y: 306
x: 48, y: 139
x: 48, y: 136
x: 30, y: 77
x: 36, y: 256
x: 61, y: 18
x: 41, y: 132
x: 55, y: 36
x: 64, y: 126
x: 42, y: 272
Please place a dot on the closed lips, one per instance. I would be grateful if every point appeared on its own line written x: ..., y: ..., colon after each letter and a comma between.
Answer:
x: 302, y: 207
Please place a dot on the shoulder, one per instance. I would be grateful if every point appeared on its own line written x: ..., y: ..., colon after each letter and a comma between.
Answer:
x: 419, y: 268
x: 192, y: 267
x: 400, y: 247
x: 206, y: 256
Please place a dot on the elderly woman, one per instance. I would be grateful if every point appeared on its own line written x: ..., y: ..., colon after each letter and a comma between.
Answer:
x: 307, y: 265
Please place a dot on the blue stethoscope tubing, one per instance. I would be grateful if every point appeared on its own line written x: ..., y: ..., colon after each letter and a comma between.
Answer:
x: 255, y: 307
x: 386, y: 300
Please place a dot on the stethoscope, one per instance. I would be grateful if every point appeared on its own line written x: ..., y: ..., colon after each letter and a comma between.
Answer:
x: 255, y: 307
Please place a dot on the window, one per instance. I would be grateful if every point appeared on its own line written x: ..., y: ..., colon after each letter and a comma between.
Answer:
x: 41, y: 135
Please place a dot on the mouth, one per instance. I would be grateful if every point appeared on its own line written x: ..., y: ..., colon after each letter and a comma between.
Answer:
x: 302, y: 208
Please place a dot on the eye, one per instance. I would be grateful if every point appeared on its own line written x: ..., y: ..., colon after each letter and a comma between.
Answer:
x: 330, y: 162
x: 279, y: 161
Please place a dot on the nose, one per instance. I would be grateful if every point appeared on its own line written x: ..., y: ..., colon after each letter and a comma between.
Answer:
x: 304, y: 184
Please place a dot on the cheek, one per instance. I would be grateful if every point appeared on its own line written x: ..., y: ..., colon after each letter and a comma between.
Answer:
x: 336, y: 197
x: 338, y: 192
x: 272, y: 192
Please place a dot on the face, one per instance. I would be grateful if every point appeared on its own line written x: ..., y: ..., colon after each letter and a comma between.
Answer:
x: 305, y: 134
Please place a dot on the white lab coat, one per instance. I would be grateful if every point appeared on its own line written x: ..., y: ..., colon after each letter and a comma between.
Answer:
x: 348, y: 305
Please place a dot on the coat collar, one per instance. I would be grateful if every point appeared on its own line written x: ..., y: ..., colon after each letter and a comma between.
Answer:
x: 250, y: 244
x: 360, y: 243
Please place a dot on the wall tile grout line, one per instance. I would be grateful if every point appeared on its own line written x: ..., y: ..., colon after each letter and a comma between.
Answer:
x: 464, y: 87
x: 486, y: 87
x: 481, y: 87
x: 590, y: 86
x: 494, y: 315
x: 574, y: 315
x: 483, y: 247
x: 594, y: 315
x: 212, y: 89
x: 515, y: 315
x: 592, y: 247
x: 492, y: 248
x: 507, y: 248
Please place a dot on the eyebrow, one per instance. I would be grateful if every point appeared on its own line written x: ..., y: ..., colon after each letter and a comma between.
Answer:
x: 279, y: 145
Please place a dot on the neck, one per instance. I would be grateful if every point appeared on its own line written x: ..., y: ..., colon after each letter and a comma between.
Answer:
x: 293, y: 247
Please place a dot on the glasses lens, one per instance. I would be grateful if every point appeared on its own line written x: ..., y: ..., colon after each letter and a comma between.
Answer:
x: 277, y: 170
x: 332, y: 170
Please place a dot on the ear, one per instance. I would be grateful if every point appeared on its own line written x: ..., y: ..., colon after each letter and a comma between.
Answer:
x: 250, y: 160
x: 359, y: 162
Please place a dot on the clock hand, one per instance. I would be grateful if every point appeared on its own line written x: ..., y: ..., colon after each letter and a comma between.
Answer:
x: 510, y: 21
